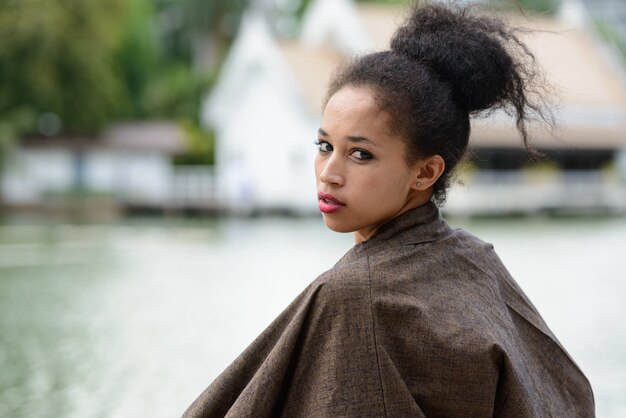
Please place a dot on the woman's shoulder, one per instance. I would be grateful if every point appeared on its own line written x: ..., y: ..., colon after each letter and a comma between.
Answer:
x: 349, y: 276
x: 456, y: 255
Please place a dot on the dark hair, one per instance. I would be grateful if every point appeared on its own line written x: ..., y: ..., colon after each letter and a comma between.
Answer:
x: 443, y: 65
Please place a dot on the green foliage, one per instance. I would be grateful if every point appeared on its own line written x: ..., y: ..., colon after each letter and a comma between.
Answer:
x: 385, y: 1
x: 56, y: 56
x: 188, y: 20
x: 541, y: 6
x: 176, y: 92
x: 217, y: 15
x: 87, y: 63
x: 537, y: 6
x: 201, y: 145
x: 136, y: 57
x: 612, y: 37
x: 303, y: 4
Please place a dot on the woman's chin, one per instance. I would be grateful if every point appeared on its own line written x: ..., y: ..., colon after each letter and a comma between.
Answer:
x: 333, y: 225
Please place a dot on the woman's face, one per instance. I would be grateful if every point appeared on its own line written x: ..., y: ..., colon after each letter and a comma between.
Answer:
x: 362, y: 176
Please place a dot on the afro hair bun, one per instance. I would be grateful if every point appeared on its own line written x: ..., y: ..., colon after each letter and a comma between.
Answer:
x: 472, y: 53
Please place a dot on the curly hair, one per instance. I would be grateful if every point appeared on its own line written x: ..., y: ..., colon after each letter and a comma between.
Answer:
x: 445, y: 64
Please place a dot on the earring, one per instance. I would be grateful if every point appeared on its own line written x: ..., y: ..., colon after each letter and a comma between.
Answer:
x: 418, y: 184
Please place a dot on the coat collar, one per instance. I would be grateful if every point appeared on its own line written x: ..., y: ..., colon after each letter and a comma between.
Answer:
x: 416, y: 226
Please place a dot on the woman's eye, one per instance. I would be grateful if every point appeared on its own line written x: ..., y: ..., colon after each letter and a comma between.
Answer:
x: 324, y: 146
x: 359, y: 154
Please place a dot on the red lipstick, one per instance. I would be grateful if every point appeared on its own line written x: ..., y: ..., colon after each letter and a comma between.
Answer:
x: 328, y: 203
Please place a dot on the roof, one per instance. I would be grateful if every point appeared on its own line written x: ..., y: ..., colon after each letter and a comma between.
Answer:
x: 165, y: 137
x: 156, y: 136
x: 589, y: 93
x: 381, y: 21
x: 500, y: 135
x: 312, y: 66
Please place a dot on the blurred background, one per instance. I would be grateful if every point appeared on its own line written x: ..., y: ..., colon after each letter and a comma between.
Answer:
x: 157, y: 197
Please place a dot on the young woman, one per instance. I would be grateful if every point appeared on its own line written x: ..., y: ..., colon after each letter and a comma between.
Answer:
x: 417, y: 319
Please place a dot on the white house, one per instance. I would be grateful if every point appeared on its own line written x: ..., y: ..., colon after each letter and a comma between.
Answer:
x: 264, y: 128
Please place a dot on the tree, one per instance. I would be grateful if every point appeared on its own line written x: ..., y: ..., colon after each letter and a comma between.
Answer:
x: 199, y: 31
x: 56, y: 58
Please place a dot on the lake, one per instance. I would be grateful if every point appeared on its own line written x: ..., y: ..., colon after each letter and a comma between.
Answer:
x: 136, y: 318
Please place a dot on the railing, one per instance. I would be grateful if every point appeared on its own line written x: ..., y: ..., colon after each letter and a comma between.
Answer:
x: 193, y: 187
x: 180, y: 188
x: 506, y: 192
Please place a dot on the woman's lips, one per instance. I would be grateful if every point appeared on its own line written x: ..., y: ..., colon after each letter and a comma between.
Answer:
x: 328, y: 203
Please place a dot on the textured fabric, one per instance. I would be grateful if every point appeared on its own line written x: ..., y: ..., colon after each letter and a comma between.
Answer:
x: 419, y: 321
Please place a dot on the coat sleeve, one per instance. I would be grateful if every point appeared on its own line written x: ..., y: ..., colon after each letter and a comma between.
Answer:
x: 317, y: 359
x: 336, y: 371
x: 250, y: 385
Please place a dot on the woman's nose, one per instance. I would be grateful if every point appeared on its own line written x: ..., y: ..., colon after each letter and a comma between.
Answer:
x: 331, y: 171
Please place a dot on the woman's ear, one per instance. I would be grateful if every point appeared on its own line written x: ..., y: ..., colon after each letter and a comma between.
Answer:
x: 428, y: 170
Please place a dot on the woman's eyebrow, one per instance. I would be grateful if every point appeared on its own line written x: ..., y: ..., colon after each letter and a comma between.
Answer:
x: 360, y: 139
x: 351, y: 138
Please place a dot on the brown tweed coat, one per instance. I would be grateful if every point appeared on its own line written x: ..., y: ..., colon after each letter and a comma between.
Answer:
x: 419, y: 321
